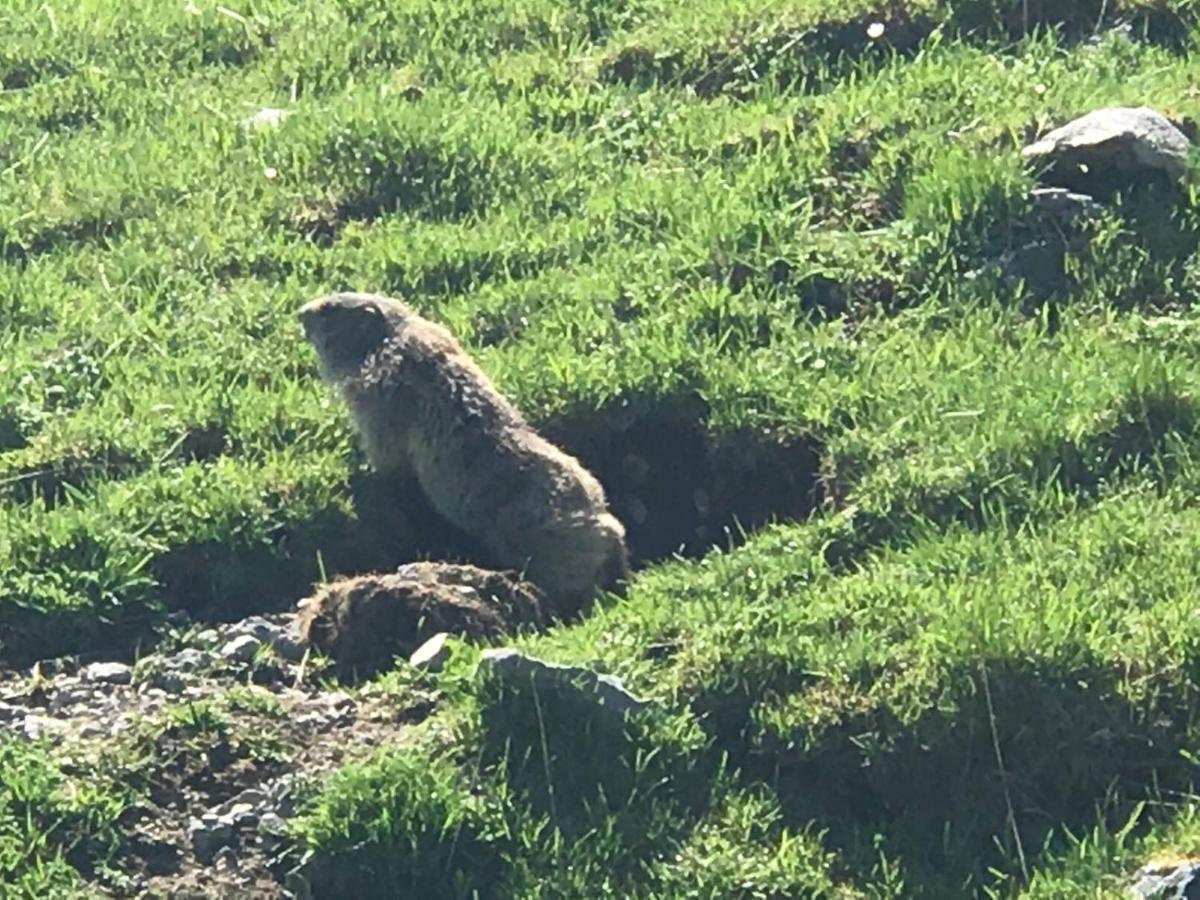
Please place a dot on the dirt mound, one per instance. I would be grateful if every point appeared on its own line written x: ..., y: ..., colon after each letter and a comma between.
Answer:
x: 364, y: 622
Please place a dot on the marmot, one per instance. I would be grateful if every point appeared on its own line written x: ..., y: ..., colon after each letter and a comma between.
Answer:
x: 424, y: 408
x: 365, y: 622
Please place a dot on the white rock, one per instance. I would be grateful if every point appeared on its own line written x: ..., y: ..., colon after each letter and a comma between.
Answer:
x: 240, y: 649
x: 108, y: 673
x: 432, y: 654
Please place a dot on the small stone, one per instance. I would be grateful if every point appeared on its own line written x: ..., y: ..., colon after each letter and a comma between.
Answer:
x: 339, y: 700
x: 108, y: 673
x: 10, y: 712
x: 432, y: 654
x: 209, y: 637
x: 240, y: 649
x: 272, y: 823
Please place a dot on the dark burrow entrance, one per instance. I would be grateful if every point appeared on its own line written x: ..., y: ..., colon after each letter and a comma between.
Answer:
x: 680, y: 488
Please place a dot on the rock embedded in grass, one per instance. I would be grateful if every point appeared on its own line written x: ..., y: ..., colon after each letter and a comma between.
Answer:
x: 519, y: 671
x: 432, y: 654
x: 1111, y: 148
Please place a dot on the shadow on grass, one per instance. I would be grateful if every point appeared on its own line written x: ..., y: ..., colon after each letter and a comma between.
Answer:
x: 1057, y: 745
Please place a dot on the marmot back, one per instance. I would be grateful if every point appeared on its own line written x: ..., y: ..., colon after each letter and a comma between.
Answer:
x: 424, y: 408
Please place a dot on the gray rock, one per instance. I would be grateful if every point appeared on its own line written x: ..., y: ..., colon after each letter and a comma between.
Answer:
x: 520, y: 671
x: 209, y: 834
x: 209, y: 637
x: 1167, y: 880
x: 108, y: 673
x: 432, y: 654
x: 10, y: 712
x: 1109, y: 148
x: 240, y: 649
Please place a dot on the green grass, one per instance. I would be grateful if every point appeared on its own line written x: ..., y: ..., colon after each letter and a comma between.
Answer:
x: 52, y: 826
x: 746, y: 214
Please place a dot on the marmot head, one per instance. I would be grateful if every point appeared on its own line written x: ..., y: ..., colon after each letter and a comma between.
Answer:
x: 347, y: 328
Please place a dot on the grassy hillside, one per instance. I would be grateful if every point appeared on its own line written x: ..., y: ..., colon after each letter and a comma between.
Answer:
x: 738, y: 239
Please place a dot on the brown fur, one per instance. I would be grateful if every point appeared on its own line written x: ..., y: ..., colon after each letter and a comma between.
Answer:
x: 424, y: 408
x: 363, y: 623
